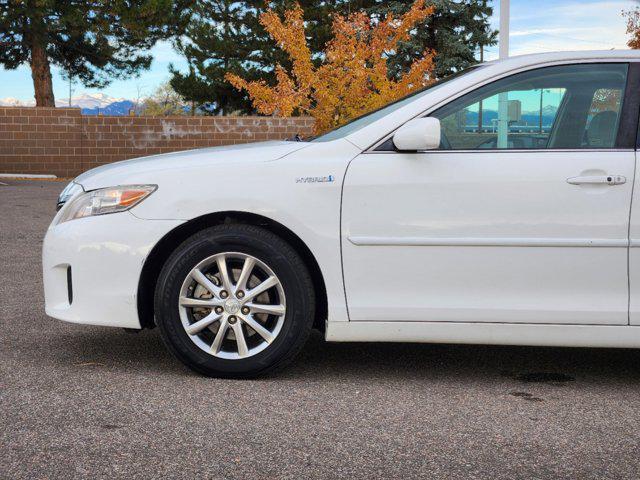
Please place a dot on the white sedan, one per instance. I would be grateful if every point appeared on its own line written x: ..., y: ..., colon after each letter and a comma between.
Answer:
x: 497, y: 206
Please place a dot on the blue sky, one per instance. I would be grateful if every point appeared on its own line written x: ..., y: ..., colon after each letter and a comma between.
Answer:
x: 536, y: 26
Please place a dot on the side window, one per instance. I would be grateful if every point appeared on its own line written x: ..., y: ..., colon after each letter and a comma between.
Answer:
x: 573, y: 106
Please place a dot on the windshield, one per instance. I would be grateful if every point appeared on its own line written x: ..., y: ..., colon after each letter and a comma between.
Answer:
x: 364, y: 120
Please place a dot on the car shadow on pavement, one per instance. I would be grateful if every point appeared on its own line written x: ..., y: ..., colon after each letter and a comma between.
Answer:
x: 144, y: 352
x: 467, y: 362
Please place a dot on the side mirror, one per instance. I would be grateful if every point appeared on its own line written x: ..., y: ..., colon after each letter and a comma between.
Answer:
x: 418, y: 134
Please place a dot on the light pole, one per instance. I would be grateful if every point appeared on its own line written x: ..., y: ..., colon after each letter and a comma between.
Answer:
x: 503, y: 97
x: 484, y: 4
x: 504, y: 28
x: 480, y: 102
x: 541, y: 107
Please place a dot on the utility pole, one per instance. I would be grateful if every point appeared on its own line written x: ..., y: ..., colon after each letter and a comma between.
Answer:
x: 503, y: 97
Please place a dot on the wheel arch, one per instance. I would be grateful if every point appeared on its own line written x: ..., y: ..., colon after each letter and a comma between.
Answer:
x: 162, y: 250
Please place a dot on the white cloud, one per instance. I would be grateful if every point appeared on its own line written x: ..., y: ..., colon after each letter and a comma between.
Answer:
x: 547, y: 31
x: 545, y: 26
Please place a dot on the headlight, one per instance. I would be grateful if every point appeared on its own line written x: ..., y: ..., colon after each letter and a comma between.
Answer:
x: 106, y: 200
x: 69, y: 191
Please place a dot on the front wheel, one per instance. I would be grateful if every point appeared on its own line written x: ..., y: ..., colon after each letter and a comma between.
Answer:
x: 234, y: 301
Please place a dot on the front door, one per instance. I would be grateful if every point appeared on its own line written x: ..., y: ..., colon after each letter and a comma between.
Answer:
x: 521, y: 216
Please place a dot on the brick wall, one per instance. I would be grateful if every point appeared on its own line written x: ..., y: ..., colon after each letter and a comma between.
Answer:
x: 62, y: 142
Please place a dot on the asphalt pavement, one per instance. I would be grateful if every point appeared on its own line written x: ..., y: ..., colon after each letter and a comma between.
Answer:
x: 91, y: 402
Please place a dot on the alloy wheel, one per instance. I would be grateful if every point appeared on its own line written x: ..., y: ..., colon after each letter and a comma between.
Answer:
x: 232, y: 305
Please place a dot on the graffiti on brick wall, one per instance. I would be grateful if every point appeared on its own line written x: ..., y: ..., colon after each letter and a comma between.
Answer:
x: 65, y: 143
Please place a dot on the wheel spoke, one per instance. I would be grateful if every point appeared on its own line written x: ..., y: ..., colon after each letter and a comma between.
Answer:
x: 264, y: 286
x: 203, y: 323
x: 203, y: 280
x: 270, y: 309
x: 243, y: 351
x: 222, y: 333
x: 247, y: 268
x: 260, y: 330
x: 224, y: 273
x: 199, y: 302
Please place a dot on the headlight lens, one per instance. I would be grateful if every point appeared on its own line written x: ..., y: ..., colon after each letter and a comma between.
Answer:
x: 106, y: 200
x: 69, y: 191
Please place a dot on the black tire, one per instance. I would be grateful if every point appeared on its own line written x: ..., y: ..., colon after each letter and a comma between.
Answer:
x: 279, y: 256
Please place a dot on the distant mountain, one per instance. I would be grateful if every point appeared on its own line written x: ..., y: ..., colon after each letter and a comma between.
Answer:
x: 14, y: 102
x: 88, y: 103
x: 549, y: 111
x: 121, y: 107
x: 88, y: 100
x: 529, y: 118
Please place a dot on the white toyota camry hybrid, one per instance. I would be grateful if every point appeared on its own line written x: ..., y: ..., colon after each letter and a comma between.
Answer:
x: 496, y: 206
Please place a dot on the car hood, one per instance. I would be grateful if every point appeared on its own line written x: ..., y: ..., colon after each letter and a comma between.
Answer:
x: 120, y: 173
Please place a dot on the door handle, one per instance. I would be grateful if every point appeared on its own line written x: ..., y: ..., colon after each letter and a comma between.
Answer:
x: 597, y: 180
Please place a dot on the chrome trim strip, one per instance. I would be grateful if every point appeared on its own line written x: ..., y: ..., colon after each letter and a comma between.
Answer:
x: 487, y: 242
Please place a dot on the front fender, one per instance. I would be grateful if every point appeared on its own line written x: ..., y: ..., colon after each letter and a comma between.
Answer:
x: 302, y: 192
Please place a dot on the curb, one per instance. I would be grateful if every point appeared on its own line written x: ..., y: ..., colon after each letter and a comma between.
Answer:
x: 25, y: 175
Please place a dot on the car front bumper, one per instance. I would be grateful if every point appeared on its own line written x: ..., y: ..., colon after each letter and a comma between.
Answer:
x: 92, y: 266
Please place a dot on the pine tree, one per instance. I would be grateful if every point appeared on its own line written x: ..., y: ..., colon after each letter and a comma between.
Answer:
x: 456, y: 31
x: 224, y: 36
x: 93, y: 41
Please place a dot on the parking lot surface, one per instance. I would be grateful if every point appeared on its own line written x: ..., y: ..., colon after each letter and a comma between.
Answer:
x: 93, y: 402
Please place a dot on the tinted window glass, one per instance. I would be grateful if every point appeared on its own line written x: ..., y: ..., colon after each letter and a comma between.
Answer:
x: 574, y: 106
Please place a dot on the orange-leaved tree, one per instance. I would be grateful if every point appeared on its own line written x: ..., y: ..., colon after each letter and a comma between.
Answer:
x: 633, y: 27
x: 352, y: 78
